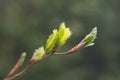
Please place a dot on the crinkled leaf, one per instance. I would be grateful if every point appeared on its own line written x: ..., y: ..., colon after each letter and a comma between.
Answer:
x: 58, y: 38
x: 39, y: 53
x: 51, y: 41
x: 63, y: 34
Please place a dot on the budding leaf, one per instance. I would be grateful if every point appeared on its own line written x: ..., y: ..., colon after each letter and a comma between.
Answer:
x: 39, y: 53
x: 89, y: 39
x: 51, y: 41
x: 22, y: 57
x: 58, y: 38
x: 18, y: 64
x: 63, y: 34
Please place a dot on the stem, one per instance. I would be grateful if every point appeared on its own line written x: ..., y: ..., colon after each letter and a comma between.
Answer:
x: 17, y: 65
x: 72, y: 50
x: 19, y: 74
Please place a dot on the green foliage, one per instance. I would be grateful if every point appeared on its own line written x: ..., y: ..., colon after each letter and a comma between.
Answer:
x: 51, y: 42
x: 58, y: 38
x: 63, y: 34
x: 38, y: 54
x: 89, y: 39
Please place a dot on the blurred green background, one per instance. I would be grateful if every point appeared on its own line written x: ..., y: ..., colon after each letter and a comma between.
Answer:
x: 26, y: 24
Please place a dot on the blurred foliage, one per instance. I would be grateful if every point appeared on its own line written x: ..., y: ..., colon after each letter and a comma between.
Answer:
x: 26, y: 24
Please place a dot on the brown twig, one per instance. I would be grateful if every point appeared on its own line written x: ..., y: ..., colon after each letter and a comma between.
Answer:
x: 15, y: 68
x: 17, y: 65
x: 18, y: 74
x: 72, y: 50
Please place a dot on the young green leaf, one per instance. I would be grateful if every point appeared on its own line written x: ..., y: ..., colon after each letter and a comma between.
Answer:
x: 89, y: 39
x: 51, y: 42
x: 58, y: 38
x: 39, y: 53
x: 63, y: 34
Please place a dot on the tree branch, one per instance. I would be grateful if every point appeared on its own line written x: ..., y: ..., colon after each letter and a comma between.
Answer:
x: 87, y: 41
x: 73, y: 50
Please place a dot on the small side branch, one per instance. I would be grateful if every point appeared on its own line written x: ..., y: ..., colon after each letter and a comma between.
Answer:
x: 19, y: 74
x: 73, y: 50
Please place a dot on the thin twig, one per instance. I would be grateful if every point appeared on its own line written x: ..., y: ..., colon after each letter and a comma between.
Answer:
x: 73, y: 50
x: 10, y: 77
x: 18, y: 74
x: 17, y: 65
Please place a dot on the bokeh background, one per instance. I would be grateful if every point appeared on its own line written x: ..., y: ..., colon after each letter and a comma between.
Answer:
x: 26, y: 24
